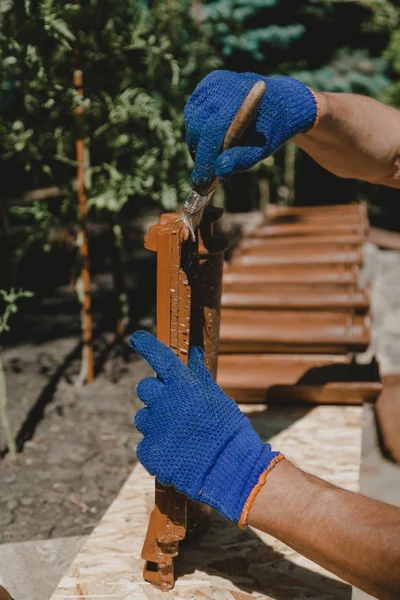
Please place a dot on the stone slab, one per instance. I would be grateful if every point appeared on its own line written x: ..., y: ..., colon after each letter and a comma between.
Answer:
x: 379, y: 477
x: 32, y: 570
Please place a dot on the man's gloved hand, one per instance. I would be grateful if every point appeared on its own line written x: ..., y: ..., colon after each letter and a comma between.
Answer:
x: 288, y: 107
x: 195, y: 437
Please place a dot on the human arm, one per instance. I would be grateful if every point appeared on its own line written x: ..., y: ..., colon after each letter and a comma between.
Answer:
x: 352, y: 536
x: 197, y: 439
x: 352, y: 136
x: 356, y: 137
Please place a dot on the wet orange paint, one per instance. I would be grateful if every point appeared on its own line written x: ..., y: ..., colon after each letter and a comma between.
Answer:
x: 189, y: 284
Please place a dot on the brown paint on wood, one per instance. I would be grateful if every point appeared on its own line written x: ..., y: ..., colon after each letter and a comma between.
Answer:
x: 304, y: 247
x: 311, y: 217
x: 359, y: 208
x: 308, y: 229
x: 293, y: 297
x: 298, y: 256
x: 288, y: 274
x: 205, y: 276
x: 315, y: 379
x: 287, y: 242
x: 189, y: 283
x: 296, y: 291
x: 264, y: 370
x: 244, y: 331
x: 167, y: 524
x: 350, y: 393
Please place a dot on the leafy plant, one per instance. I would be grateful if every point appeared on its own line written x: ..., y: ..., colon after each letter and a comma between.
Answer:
x: 37, y: 220
x: 351, y: 71
x: 386, y: 17
x: 10, y: 299
x: 140, y: 61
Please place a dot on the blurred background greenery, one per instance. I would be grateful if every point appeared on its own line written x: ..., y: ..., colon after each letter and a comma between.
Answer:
x: 140, y: 62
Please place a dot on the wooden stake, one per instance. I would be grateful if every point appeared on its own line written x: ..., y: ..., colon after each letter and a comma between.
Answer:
x: 87, y: 370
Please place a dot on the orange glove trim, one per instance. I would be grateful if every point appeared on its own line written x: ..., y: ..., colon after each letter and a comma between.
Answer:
x: 261, y: 481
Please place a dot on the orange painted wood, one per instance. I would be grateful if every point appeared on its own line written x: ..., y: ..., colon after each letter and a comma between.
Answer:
x: 317, y: 219
x: 292, y: 257
x: 167, y: 525
x: 330, y: 393
x: 310, y: 274
x: 307, y: 229
x: 189, y: 283
x: 321, y: 379
x: 263, y: 370
x: 244, y: 331
x: 311, y: 216
x: 359, y: 208
x: 299, y: 241
x: 291, y: 297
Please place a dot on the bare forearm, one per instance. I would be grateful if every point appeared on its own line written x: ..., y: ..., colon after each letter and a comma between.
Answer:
x: 357, y: 137
x: 354, y: 537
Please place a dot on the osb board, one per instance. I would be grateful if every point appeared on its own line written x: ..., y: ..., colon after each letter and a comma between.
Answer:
x: 225, y: 563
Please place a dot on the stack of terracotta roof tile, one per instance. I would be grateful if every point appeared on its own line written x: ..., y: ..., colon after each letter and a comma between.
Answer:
x: 293, y: 314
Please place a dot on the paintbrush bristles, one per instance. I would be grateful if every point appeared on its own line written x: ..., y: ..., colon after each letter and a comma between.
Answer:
x: 193, y: 210
x: 192, y: 221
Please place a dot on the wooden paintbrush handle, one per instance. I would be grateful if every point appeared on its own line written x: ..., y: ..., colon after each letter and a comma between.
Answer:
x: 244, y: 115
x: 239, y: 125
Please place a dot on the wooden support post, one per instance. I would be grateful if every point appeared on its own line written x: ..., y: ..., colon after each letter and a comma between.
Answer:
x: 189, y: 283
x: 87, y: 371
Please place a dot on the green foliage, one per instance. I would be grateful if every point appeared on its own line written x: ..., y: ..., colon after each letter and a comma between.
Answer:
x: 10, y: 299
x: 139, y: 62
x: 349, y: 71
x: 36, y: 220
x: 385, y: 14
x: 386, y: 17
x: 321, y: 42
x: 230, y: 20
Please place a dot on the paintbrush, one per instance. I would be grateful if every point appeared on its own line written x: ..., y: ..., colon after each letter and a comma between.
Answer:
x: 199, y: 198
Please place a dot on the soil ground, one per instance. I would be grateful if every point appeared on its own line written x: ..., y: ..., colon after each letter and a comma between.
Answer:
x: 82, y: 446
x: 76, y: 444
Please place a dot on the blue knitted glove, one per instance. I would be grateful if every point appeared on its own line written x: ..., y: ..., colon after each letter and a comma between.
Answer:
x: 288, y: 107
x: 195, y: 437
